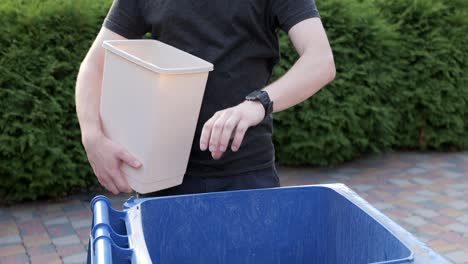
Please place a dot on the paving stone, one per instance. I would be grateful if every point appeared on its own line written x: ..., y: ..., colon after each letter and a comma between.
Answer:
x: 415, y: 171
x: 443, y: 220
x: 60, y: 230
x: 11, y: 250
x: 77, y: 258
x: 66, y: 240
x: 446, y: 249
x: 363, y: 187
x: 56, y: 221
x: 461, y: 187
x: 31, y: 227
x: 452, y: 175
x: 417, y: 198
x: 437, y: 243
x: 383, y: 206
x: 431, y: 230
x: 12, y: 239
x: 450, y: 212
x: 24, y: 215
x: 422, y: 181
x: 463, y: 219
x: 79, y: 215
x: 65, y: 251
x: 459, y: 205
x: 340, y: 177
x: 15, y: 259
x: 427, y: 193
x: 446, y: 165
x: 49, y: 259
x: 34, y: 240
x: 454, y: 193
x: 399, y: 182
x: 5, y: 215
x: 81, y: 223
x: 453, y: 237
x: 415, y: 220
x: 50, y: 208
x: 40, y: 250
x: 459, y: 256
x: 74, y: 207
x: 424, y: 238
x: 8, y: 228
x: 426, y: 213
x: 426, y: 165
x: 458, y: 228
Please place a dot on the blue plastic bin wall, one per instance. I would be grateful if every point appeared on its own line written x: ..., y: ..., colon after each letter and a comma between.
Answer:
x: 310, y: 224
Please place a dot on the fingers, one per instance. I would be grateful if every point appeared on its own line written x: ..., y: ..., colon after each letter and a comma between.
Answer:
x: 120, y: 181
x: 220, y: 129
x: 128, y: 158
x: 216, y: 132
x: 206, y: 132
x: 216, y: 155
x: 239, y: 135
x: 106, y: 182
x: 106, y: 158
x: 228, y: 130
x: 115, y: 182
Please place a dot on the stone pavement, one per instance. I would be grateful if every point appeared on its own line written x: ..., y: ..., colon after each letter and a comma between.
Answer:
x: 425, y: 193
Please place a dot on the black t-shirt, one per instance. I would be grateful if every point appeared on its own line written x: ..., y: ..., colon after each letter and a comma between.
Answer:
x: 240, y: 38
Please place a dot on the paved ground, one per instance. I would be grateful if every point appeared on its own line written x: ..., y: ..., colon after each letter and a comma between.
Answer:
x: 425, y: 193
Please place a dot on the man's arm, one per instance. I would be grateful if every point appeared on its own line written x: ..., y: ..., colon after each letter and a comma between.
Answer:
x: 313, y: 70
x: 88, y: 85
x: 104, y: 155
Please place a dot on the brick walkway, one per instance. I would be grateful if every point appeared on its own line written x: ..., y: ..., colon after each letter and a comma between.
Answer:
x: 425, y: 193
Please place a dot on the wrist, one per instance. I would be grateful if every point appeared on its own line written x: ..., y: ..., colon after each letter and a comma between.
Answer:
x: 261, y: 97
x: 90, y: 135
x: 256, y: 106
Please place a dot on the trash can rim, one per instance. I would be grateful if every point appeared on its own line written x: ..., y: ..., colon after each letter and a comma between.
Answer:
x: 204, y: 66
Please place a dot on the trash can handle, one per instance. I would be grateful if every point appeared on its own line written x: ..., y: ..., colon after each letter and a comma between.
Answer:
x: 105, y: 242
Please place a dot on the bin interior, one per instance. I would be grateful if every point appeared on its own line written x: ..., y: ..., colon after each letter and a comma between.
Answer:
x: 291, y: 225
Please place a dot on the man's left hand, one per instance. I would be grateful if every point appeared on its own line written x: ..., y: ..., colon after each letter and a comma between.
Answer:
x: 230, y: 123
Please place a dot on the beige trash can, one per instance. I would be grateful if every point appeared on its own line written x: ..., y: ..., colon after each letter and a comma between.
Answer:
x: 150, y: 102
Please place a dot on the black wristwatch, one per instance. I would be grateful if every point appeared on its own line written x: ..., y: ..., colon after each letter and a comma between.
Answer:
x: 263, y: 98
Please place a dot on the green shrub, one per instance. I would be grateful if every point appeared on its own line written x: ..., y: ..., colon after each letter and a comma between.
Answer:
x: 41, y: 46
x: 432, y: 95
x: 351, y: 115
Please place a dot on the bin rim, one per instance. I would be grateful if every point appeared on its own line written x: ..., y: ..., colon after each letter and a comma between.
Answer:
x: 205, y: 65
x: 420, y: 253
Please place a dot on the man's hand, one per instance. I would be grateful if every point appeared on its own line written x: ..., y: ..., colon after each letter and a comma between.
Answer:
x: 230, y: 123
x: 106, y: 157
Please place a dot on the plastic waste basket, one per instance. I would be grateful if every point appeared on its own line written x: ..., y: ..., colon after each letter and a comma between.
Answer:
x: 310, y: 224
x: 150, y: 102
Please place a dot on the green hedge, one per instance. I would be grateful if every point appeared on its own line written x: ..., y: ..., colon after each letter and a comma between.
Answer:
x: 400, y: 84
x: 432, y: 94
x: 41, y: 46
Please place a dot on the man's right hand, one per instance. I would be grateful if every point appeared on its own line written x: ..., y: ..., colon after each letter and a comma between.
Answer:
x: 106, y: 158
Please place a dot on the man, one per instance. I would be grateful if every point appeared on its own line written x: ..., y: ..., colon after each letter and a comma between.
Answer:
x: 233, y: 146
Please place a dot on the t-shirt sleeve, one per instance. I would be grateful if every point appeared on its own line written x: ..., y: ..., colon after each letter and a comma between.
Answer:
x: 125, y: 18
x: 287, y: 13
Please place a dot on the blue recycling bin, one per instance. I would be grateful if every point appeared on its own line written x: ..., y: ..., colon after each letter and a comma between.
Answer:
x: 307, y: 224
